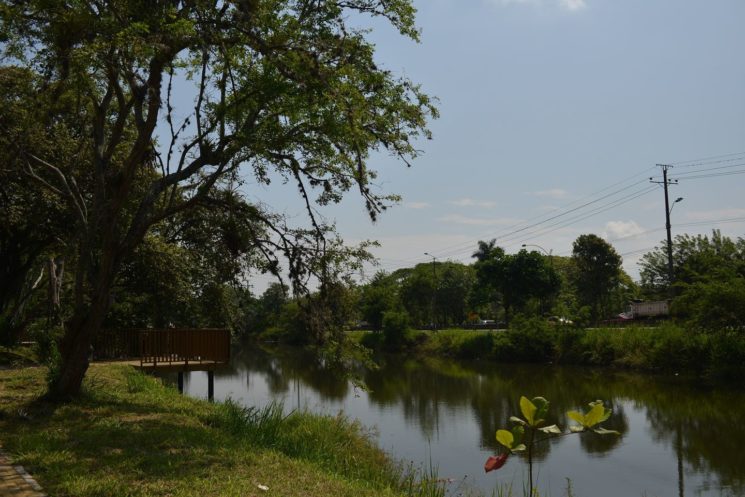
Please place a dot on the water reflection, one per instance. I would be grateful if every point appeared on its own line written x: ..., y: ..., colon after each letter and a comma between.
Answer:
x: 675, y: 439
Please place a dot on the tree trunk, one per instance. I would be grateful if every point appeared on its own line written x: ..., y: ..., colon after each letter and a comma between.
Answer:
x: 76, y: 345
x: 56, y: 270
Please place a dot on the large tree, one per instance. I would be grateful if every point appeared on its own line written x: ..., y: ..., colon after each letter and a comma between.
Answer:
x: 709, y: 274
x: 172, y: 98
x: 596, y: 273
x: 695, y: 258
x: 514, y: 278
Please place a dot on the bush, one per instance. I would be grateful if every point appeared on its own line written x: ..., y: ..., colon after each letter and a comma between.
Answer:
x: 529, y: 340
x: 597, y: 347
x: 713, y: 305
x: 727, y: 356
x: 395, y: 326
x: 476, y: 346
x: 462, y: 344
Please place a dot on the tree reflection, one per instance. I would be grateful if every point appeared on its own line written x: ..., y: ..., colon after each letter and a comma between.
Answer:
x: 697, y: 424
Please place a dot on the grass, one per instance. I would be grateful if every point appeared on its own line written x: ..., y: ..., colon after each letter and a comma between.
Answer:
x: 17, y: 357
x: 128, y: 435
x: 668, y: 348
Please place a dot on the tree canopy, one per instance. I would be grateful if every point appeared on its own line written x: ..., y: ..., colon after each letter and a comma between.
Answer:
x: 597, y: 270
x: 285, y: 90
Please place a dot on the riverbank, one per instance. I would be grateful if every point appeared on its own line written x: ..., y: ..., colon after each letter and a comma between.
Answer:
x: 667, y: 348
x: 128, y: 434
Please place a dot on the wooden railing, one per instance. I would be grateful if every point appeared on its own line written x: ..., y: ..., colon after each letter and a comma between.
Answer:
x: 164, y: 346
x: 116, y: 344
x: 184, y: 345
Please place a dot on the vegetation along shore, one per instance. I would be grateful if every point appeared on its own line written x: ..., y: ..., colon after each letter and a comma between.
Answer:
x: 128, y: 434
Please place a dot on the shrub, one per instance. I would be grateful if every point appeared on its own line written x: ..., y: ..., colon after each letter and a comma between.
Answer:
x: 727, y: 359
x: 395, y: 326
x: 530, y: 340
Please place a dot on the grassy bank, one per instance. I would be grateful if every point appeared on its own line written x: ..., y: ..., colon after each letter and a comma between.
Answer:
x: 128, y: 435
x: 667, y: 348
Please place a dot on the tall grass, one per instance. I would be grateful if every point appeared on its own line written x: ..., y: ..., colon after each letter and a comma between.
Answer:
x: 335, y: 443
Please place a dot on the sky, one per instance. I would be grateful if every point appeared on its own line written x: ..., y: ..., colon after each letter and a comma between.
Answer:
x: 554, y: 114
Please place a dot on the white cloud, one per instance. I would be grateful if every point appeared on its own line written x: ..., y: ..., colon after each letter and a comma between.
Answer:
x: 477, y: 221
x: 469, y: 202
x: 622, y: 229
x: 555, y: 193
x: 573, y: 4
x: 417, y: 205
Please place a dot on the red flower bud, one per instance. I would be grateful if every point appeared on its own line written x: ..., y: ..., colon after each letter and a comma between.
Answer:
x: 495, y: 462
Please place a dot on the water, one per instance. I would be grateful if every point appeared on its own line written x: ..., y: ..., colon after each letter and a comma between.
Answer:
x: 676, y: 439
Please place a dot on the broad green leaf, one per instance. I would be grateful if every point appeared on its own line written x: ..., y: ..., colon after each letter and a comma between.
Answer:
x: 541, y: 405
x: 517, y: 433
x: 606, y: 412
x: 519, y: 448
x: 595, y: 415
x: 576, y: 429
x: 505, y: 438
x: 576, y: 416
x: 603, y: 431
x: 515, y: 419
x: 528, y: 409
x: 551, y: 429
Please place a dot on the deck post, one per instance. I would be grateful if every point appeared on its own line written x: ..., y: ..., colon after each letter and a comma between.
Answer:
x: 211, y: 385
x: 180, y: 382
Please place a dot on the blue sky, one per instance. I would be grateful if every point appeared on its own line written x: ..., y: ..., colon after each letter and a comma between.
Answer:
x: 547, y: 103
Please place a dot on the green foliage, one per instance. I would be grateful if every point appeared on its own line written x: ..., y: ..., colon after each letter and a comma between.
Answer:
x: 713, y: 304
x: 522, y: 437
x: 462, y: 344
x: 292, y: 325
x: 695, y: 258
x: 336, y: 444
x: 668, y: 348
x: 514, y: 279
x: 134, y: 436
x: 727, y: 355
x: 395, y: 328
x: 709, y: 280
x: 108, y: 75
x: 527, y: 340
x: 377, y: 298
x: 139, y: 382
x: 589, y: 421
x: 597, y: 272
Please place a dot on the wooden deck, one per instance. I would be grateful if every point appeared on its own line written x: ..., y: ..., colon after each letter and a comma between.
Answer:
x: 174, y: 367
x: 171, y: 348
x: 176, y: 350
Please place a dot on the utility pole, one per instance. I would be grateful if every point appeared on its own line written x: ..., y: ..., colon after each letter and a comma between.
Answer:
x: 665, y: 183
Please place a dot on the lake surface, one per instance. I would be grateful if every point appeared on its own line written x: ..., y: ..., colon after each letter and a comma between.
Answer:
x: 676, y: 439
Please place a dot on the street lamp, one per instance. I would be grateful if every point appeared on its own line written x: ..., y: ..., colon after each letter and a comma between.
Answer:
x: 434, y: 290
x: 548, y: 253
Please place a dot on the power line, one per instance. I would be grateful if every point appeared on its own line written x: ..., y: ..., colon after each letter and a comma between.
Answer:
x: 710, y: 169
x: 582, y: 217
x: 459, y: 247
x: 520, y: 231
x: 511, y: 235
x: 714, y: 175
x: 703, y: 160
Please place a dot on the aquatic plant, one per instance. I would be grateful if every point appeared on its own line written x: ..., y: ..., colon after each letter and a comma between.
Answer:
x: 532, y: 428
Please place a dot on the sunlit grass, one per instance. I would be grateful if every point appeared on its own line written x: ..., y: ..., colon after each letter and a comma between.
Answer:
x: 128, y: 435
